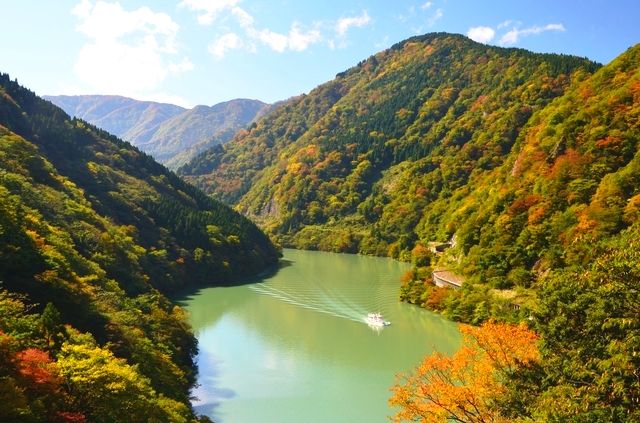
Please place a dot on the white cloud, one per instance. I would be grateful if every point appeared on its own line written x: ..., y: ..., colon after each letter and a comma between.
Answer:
x: 299, y: 41
x: 296, y: 40
x: 126, y: 52
x: 481, y: 34
x: 513, y: 36
x: 181, y: 67
x: 244, y: 19
x: 251, y: 35
x: 277, y: 42
x: 208, y: 9
x: 229, y: 41
x: 343, y: 24
x: 504, y: 24
x: 426, y: 5
x: 439, y: 13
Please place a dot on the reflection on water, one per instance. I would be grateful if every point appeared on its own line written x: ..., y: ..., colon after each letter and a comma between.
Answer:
x: 294, y: 347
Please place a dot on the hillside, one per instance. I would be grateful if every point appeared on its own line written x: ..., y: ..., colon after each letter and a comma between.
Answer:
x: 128, y: 119
x: 528, y: 164
x: 92, y: 232
x: 360, y: 163
x: 182, y: 137
x: 171, y: 134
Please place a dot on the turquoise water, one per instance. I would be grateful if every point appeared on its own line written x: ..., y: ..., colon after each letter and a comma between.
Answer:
x: 292, y: 346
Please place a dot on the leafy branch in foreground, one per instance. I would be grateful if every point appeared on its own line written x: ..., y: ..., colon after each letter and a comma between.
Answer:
x: 466, y: 386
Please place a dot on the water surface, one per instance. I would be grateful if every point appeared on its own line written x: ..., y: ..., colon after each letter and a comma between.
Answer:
x: 292, y: 346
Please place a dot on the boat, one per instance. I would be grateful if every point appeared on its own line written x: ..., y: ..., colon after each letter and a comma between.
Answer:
x: 376, y: 320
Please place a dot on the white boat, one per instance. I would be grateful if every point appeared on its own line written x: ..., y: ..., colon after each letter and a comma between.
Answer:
x: 376, y: 320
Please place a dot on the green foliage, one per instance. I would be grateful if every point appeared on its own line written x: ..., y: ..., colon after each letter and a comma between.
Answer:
x: 390, y: 148
x: 92, y: 232
x: 589, y: 321
x: 75, y: 172
x: 528, y: 163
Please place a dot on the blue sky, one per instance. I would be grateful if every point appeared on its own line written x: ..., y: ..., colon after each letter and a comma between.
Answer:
x: 205, y: 51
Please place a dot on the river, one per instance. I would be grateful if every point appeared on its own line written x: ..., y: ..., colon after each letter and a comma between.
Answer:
x: 292, y: 346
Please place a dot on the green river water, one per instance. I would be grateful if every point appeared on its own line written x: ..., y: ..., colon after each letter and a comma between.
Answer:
x: 292, y: 346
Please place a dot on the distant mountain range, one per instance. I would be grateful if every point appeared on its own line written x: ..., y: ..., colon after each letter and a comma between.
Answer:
x: 171, y: 134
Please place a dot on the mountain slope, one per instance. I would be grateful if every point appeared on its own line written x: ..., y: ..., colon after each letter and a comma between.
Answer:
x: 171, y: 134
x: 92, y: 231
x: 183, y: 136
x: 353, y: 165
x: 131, y: 120
x: 533, y: 175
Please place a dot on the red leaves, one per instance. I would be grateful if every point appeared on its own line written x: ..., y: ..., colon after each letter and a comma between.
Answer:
x: 36, y: 366
x: 70, y: 417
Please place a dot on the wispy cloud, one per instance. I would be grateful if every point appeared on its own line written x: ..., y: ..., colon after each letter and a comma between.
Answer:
x: 208, y: 10
x: 481, y: 34
x: 426, y: 5
x: 229, y: 41
x: 128, y: 52
x: 437, y: 15
x: 343, y: 24
x: 504, y: 24
x: 299, y: 40
x: 514, y: 35
x: 251, y: 35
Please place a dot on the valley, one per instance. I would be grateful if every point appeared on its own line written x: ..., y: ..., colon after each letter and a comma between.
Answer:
x: 479, y: 201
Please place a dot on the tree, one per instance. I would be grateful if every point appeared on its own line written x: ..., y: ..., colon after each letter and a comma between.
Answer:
x: 54, y: 330
x: 110, y: 390
x: 467, y: 386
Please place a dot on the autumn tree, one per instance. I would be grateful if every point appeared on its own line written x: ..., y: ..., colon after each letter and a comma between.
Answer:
x: 466, y: 386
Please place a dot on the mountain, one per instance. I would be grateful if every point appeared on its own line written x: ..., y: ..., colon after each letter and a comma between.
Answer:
x: 131, y: 120
x: 93, y: 233
x: 371, y: 161
x: 182, y: 137
x: 527, y: 166
x: 171, y: 134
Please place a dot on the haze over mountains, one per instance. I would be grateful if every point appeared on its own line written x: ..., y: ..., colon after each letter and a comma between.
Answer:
x: 171, y: 134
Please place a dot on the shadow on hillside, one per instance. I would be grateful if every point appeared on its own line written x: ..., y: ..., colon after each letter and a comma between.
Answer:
x: 182, y: 297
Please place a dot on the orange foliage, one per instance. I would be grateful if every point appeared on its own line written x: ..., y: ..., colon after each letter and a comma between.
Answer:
x: 523, y: 204
x: 463, y: 387
x: 37, y: 366
x: 536, y: 214
x: 436, y: 298
x: 610, y: 142
x: 571, y: 163
x: 406, y: 277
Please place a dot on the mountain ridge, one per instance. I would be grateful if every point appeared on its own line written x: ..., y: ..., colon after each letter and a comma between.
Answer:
x: 400, y: 106
x: 93, y: 234
x: 171, y: 134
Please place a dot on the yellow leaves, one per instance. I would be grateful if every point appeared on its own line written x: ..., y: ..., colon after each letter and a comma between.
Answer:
x: 37, y: 239
x: 463, y: 387
x: 294, y: 168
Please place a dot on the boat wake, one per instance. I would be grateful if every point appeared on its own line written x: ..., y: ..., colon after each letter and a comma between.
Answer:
x: 315, y: 297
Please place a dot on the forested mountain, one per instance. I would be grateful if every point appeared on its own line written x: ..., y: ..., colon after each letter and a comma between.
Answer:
x: 373, y: 160
x: 171, y: 134
x: 527, y: 163
x: 92, y: 232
